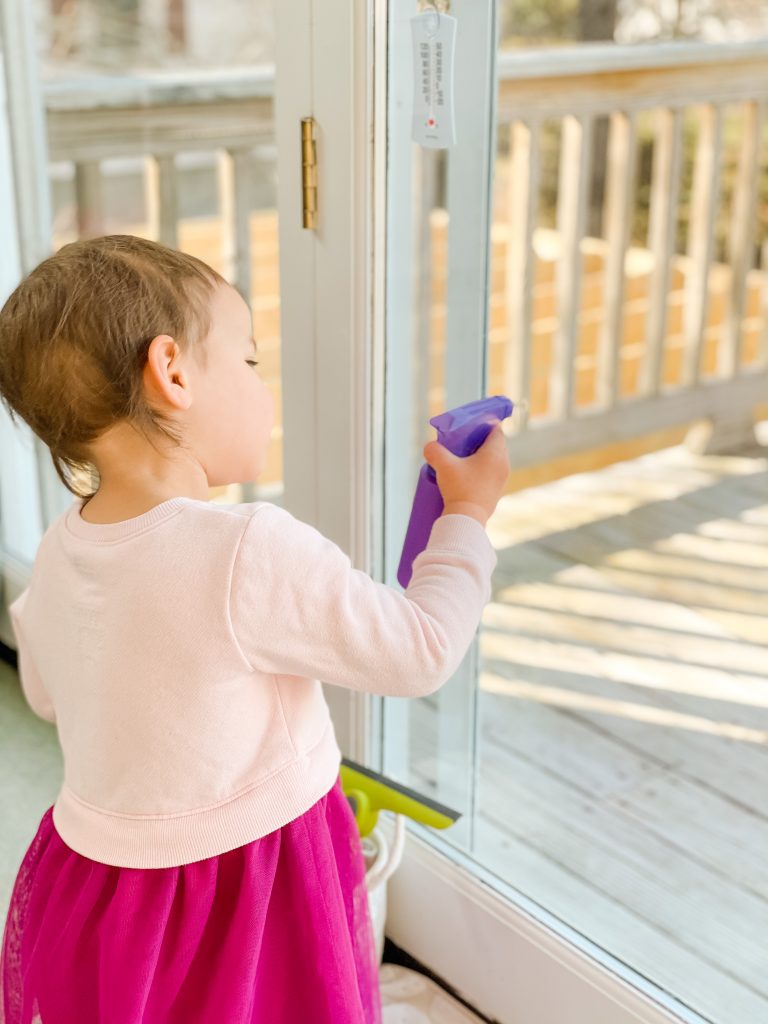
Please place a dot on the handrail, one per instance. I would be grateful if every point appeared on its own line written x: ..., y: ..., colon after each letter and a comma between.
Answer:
x: 210, y: 85
x: 158, y: 88
x: 607, y: 58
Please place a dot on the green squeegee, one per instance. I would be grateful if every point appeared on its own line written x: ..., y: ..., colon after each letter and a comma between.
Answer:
x: 368, y: 793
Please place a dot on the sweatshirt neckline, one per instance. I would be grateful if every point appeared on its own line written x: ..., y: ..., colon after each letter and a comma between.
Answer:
x: 125, y: 527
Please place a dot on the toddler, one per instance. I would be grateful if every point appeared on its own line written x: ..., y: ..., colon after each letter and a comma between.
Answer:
x: 201, y: 864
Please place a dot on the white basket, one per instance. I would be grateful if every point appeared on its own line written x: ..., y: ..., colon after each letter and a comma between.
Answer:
x: 381, y: 862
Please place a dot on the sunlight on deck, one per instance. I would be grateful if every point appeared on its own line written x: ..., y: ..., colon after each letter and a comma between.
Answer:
x: 640, y: 712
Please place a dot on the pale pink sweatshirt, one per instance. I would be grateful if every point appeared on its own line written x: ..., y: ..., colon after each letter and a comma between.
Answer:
x: 180, y: 655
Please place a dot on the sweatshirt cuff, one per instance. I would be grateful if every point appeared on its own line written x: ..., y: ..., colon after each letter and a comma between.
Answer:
x: 456, y: 532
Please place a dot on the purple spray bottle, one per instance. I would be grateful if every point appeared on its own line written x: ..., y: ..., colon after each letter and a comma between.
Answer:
x: 462, y: 430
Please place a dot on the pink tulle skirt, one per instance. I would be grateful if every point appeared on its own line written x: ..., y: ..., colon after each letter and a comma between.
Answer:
x: 275, y: 932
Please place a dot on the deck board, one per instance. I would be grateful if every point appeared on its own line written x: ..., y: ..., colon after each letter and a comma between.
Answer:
x: 631, y: 939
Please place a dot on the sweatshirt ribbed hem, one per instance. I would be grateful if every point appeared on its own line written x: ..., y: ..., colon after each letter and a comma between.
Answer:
x: 159, y: 842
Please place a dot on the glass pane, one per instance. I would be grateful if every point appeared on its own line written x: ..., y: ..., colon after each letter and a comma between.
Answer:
x: 159, y: 124
x: 427, y: 321
x: 606, y: 738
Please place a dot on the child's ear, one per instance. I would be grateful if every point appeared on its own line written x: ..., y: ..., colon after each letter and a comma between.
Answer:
x: 165, y: 373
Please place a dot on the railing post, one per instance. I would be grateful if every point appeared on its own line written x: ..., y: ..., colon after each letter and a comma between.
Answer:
x: 665, y: 190
x: 236, y: 217
x: 162, y: 198
x: 575, y: 152
x: 701, y: 231
x: 618, y: 217
x: 89, y: 199
x: 741, y: 236
x: 520, y: 263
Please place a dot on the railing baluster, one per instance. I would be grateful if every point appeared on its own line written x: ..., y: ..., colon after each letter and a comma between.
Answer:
x: 161, y: 198
x: 761, y: 356
x: 701, y: 231
x: 575, y: 153
x: 520, y: 265
x: 741, y: 236
x: 236, y: 217
x: 89, y: 199
x: 618, y: 214
x: 665, y: 191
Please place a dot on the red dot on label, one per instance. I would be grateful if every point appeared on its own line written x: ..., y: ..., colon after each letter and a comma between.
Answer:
x: 430, y: 121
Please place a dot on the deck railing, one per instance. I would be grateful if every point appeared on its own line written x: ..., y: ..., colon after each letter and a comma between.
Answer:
x: 158, y: 118
x: 611, y: 337
x: 642, y: 368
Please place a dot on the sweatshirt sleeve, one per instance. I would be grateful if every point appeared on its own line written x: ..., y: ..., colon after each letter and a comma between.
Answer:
x: 31, y: 683
x: 298, y: 607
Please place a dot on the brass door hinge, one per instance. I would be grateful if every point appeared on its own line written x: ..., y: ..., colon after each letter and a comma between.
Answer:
x: 309, y: 172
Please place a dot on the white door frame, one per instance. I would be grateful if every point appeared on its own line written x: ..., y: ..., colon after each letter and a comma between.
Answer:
x: 27, y: 132
x: 506, y: 956
x: 26, y: 140
x: 331, y: 411
x: 21, y: 522
x: 10, y: 262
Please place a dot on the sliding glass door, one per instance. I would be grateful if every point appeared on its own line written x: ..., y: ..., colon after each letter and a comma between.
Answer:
x: 558, y: 737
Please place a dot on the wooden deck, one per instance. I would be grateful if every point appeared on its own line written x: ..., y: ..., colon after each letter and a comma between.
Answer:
x: 624, y: 715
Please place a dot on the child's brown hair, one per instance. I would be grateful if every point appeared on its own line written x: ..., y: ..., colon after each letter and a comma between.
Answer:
x: 74, y: 337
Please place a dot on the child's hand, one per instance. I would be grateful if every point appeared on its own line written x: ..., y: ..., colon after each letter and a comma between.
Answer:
x: 471, y: 485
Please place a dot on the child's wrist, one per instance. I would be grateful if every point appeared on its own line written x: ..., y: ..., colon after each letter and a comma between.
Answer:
x: 466, y: 508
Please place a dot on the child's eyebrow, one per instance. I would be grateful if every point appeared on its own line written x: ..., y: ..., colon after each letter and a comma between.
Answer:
x: 255, y: 346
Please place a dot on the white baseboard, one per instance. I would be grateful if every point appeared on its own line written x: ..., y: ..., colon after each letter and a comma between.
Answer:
x: 501, y: 957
